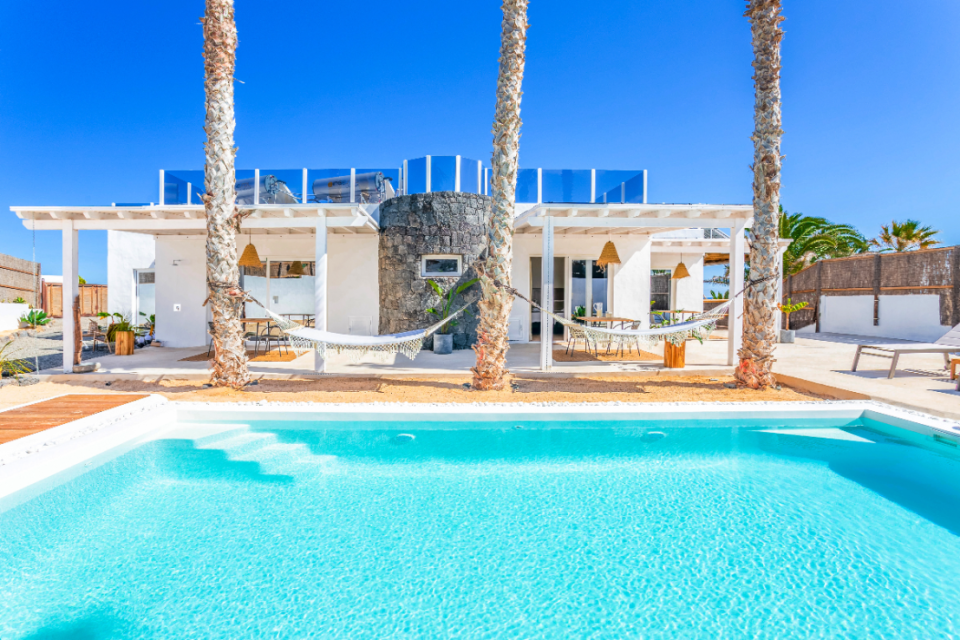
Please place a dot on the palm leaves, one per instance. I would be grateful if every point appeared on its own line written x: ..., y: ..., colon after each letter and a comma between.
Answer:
x: 815, y: 239
x: 447, y: 298
x: 904, y: 236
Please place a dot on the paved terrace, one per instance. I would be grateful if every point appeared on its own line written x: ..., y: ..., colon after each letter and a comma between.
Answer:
x: 817, y: 362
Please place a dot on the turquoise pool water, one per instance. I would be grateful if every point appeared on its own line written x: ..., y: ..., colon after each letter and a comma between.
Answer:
x: 473, y: 531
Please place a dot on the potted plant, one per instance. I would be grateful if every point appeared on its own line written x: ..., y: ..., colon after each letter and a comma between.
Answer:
x: 149, y: 326
x: 33, y: 319
x: 121, y: 332
x: 443, y: 340
x: 787, y: 336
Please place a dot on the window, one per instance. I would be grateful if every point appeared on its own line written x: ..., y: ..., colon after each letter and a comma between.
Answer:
x: 441, y: 266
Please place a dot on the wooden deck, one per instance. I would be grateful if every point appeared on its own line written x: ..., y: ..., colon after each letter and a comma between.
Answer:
x: 25, y: 421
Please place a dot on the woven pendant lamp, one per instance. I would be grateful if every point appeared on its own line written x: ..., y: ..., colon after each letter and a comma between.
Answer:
x: 681, y: 271
x: 296, y: 269
x: 250, y: 257
x: 609, y: 255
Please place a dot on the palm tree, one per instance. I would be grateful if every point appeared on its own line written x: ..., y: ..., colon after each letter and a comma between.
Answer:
x: 760, y: 309
x: 223, y: 271
x: 491, y: 347
x: 904, y: 236
x: 816, y: 239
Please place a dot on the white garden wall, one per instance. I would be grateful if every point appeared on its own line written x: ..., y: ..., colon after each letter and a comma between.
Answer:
x: 10, y: 314
x: 907, y: 317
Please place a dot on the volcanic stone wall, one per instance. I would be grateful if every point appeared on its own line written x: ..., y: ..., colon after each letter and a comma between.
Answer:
x: 442, y: 222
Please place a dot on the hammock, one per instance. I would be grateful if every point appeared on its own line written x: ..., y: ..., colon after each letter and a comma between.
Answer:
x: 699, y: 327
x: 303, y: 339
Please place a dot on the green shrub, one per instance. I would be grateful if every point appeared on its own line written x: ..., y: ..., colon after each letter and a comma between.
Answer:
x: 35, y: 318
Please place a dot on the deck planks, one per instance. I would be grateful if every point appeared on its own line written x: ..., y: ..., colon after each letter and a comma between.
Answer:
x: 24, y: 421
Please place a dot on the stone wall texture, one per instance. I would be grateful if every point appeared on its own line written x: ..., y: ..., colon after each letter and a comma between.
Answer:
x: 442, y: 222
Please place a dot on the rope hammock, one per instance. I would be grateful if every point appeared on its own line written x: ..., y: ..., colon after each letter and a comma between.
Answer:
x: 699, y: 327
x: 303, y: 339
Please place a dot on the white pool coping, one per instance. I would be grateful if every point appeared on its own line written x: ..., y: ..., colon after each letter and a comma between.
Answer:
x: 34, y: 464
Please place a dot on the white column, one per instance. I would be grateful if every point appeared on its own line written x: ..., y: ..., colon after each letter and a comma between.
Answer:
x: 735, y: 322
x: 539, y: 186
x: 353, y: 185
x: 593, y: 185
x: 429, y: 171
x: 456, y: 176
x: 71, y: 289
x: 546, y: 296
x: 256, y: 187
x: 161, y: 187
x: 644, y: 186
x: 304, y: 198
x: 189, y: 193
x: 406, y: 190
x: 320, y: 284
x: 631, y: 282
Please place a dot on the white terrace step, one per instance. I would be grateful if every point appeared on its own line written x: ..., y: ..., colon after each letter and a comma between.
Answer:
x: 241, y: 443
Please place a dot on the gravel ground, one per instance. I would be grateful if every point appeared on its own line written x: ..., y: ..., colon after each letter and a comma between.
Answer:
x: 48, y: 347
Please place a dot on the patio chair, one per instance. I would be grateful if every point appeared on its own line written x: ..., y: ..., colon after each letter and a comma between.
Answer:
x: 947, y: 344
x: 273, y: 333
x: 98, y: 335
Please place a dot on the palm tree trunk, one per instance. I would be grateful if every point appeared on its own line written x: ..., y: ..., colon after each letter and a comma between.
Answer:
x: 760, y: 308
x: 223, y: 271
x: 491, y: 347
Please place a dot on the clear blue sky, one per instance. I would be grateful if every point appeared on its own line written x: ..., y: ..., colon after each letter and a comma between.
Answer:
x: 95, y: 98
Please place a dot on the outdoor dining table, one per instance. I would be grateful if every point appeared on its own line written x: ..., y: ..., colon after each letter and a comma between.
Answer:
x: 607, y: 319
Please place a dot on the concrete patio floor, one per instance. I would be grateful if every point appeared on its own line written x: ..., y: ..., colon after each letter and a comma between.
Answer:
x: 817, y: 362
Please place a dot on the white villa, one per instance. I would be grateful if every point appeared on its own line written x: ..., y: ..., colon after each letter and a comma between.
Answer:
x: 327, y: 223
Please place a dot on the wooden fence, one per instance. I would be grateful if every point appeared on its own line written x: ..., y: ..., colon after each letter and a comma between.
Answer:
x: 93, y: 299
x: 19, y: 279
x: 930, y: 271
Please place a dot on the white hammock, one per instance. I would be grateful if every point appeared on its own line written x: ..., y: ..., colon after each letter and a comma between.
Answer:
x: 303, y: 339
x: 699, y: 327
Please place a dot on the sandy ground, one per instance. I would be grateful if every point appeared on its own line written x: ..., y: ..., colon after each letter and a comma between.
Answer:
x: 595, y: 388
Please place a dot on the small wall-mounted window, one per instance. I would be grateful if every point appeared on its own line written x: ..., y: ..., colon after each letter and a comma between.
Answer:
x: 441, y: 266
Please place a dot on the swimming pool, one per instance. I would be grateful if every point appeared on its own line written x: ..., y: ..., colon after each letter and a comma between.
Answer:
x: 239, y: 522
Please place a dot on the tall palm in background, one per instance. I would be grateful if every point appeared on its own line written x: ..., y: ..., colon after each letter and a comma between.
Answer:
x: 904, y: 236
x: 491, y: 347
x: 223, y: 271
x: 760, y: 308
x: 816, y: 239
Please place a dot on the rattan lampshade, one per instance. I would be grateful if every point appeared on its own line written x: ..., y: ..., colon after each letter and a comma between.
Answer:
x: 681, y: 271
x: 250, y: 257
x: 296, y: 269
x: 608, y: 255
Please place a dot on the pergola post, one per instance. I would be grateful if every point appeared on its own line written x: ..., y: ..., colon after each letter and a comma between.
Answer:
x: 70, y: 289
x: 735, y: 319
x: 546, y: 296
x: 320, y: 284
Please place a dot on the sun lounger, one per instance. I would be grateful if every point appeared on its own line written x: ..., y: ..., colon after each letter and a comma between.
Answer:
x: 949, y: 343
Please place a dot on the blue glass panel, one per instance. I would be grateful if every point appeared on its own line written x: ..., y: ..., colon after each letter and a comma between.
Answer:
x: 566, y: 185
x: 527, y: 185
x: 328, y: 185
x: 634, y: 189
x: 245, y: 178
x: 469, y: 181
x: 175, y: 186
x: 417, y: 175
x: 611, y: 185
x: 443, y: 173
x: 281, y: 186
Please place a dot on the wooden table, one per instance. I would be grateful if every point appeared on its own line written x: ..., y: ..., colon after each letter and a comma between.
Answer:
x: 600, y: 319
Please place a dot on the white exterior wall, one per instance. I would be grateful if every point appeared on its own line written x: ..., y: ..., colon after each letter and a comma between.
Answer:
x: 630, y: 287
x: 353, y: 286
x: 125, y: 252
x: 686, y: 293
x: 911, y: 317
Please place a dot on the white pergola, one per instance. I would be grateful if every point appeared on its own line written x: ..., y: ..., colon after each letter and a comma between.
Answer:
x: 186, y: 220
x: 643, y: 219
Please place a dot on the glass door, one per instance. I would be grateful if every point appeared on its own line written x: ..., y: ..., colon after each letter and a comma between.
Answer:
x: 559, y: 295
x: 146, y: 296
x: 589, y: 289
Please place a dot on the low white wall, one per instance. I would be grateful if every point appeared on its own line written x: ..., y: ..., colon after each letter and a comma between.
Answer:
x: 125, y: 252
x: 10, y: 314
x: 910, y: 317
x: 352, y: 282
